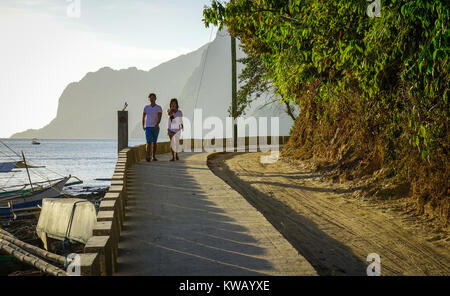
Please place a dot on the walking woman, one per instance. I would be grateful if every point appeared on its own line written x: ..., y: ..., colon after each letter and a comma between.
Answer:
x: 175, y: 126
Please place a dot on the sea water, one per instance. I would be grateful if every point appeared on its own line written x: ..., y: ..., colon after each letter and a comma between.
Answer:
x: 88, y: 160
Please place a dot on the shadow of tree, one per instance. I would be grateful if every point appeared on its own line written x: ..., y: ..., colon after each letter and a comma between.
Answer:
x: 327, y: 255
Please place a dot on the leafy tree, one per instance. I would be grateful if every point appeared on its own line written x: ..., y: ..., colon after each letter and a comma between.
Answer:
x: 385, y: 79
x: 335, y: 43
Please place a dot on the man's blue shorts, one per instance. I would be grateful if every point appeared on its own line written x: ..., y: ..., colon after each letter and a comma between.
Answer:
x: 151, y: 134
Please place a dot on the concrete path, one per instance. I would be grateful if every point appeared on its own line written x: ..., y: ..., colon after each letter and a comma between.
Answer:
x: 184, y: 220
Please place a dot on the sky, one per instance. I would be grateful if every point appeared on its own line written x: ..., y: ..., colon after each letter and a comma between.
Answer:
x: 47, y: 44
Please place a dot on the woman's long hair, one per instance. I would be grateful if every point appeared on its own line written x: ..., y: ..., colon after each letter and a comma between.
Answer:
x: 176, y: 102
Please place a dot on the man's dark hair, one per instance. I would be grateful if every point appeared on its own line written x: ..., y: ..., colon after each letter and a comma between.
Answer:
x: 152, y: 95
x: 176, y: 102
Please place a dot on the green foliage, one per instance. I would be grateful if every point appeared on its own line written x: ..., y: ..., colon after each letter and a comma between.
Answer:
x: 396, y: 65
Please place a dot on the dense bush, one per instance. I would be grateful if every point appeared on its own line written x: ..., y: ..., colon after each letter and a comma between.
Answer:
x: 379, y: 83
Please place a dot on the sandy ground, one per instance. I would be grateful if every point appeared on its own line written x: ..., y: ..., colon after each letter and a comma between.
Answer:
x: 331, y: 228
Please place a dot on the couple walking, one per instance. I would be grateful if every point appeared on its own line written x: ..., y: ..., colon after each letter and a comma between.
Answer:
x: 150, y: 123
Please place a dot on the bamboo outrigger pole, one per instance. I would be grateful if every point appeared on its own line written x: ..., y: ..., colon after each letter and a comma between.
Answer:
x: 58, y: 259
x: 30, y: 259
x: 4, y: 232
x: 28, y: 172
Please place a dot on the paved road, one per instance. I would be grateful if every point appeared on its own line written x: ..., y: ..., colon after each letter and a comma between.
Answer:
x: 184, y: 220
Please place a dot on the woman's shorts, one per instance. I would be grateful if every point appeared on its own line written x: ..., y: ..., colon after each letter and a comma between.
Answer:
x: 171, y: 132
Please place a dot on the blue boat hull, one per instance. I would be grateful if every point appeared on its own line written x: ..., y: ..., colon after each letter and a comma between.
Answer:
x: 25, y: 205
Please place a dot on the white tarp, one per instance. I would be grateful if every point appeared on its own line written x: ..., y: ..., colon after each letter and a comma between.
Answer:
x: 56, y: 219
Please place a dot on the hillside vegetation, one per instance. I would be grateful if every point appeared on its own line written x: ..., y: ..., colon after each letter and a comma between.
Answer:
x: 373, y: 91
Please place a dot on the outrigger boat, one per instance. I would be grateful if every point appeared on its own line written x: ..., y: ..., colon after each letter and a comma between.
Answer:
x: 11, y: 203
x: 17, y: 199
x: 35, y: 142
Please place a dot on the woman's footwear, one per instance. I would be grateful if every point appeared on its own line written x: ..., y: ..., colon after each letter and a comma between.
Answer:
x: 173, y: 159
x: 177, y: 156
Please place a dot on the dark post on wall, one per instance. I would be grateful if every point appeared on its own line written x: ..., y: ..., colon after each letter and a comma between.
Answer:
x: 122, y: 135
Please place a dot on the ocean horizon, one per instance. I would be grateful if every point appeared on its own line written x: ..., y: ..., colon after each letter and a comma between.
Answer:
x: 87, y: 159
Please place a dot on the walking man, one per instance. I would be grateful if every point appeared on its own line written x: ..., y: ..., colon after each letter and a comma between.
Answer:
x: 150, y: 123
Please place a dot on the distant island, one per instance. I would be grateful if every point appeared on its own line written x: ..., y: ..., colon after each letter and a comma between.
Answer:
x: 87, y: 109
